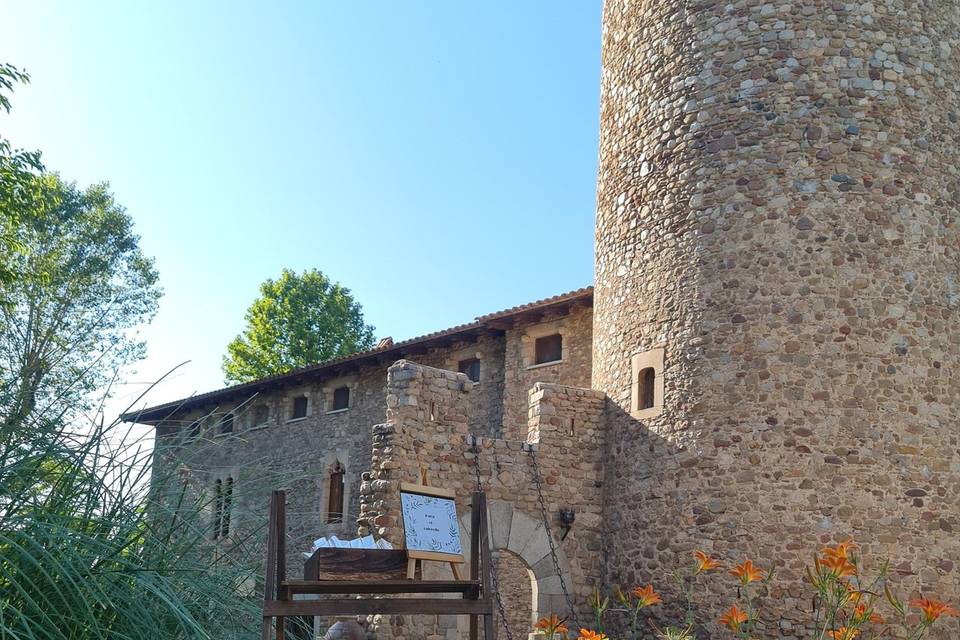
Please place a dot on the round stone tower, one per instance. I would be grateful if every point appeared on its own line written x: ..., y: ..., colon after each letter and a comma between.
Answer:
x: 778, y: 288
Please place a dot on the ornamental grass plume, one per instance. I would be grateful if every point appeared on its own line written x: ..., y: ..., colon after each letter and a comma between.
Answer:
x: 91, y: 548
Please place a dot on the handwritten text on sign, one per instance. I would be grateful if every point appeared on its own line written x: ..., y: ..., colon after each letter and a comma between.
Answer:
x: 430, y: 523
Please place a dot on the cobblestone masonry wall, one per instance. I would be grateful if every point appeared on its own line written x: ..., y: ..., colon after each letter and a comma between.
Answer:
x: 487, y: 397
x: 520, y: 372
x: 296, y: 454
x: 514, y: 580
x: 777, y: 208
x: 427, y: 428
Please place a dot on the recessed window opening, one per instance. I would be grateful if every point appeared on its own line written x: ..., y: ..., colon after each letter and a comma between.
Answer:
x: 341, y: 398
x: 648, y: 380
x: 260, y: 415
x: 226, y: 424
x: 548, y: 349
x: 299, y: 408
x: 222, y: 503
x: 227, y: 504
x: 470, y: 367
x: 335, y: 495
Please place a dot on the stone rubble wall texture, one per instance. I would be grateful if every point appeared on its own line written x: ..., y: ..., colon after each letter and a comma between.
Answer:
x: 515, y: 586
x: 487, y: 397
x: 300, y: 454
x: 575, y: 370
x: 427, y: 428
x: 777, y: 207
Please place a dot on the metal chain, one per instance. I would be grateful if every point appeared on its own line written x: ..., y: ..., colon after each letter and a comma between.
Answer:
x: 546, y: 527
x: 494, y: 582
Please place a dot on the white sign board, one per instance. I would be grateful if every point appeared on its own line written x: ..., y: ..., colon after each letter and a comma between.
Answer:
x: 430, y: 524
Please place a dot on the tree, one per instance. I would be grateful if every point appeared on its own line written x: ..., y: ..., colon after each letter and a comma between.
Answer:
x: 83, y: 283
x: 298, y: 320
x: 18, y: 170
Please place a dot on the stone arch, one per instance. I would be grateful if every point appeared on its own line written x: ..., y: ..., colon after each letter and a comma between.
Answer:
x: 523, y: 535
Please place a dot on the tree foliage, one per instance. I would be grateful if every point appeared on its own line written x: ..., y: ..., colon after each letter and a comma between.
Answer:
x: 83, y: 283
x: 298, y: 320
x: 18, y: 187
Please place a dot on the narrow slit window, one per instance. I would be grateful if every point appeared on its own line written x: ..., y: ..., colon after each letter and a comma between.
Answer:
x: 217, y: 507
x: 470, y: 367
x: 299, y: 408
x: 227, y: 504
x: 226, y: 425
x: 341, y: 398
x: 335, y: 496
x: 549, y: 349
x: 648, y: 383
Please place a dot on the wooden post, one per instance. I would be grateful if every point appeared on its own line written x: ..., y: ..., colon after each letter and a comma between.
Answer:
x: 485, y: 565
x: 475, y: 557
x: 269, y: 584
x: 281, y: 535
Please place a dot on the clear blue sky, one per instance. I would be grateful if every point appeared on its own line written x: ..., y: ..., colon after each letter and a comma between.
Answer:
x: 438, y: 158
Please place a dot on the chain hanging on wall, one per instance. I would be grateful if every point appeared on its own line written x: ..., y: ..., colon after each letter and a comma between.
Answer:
x: 546, y: 527
x: 475, y: 448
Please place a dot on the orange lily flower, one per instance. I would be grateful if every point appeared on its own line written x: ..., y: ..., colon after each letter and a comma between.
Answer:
x: 587, y: 634
x: 843, y: 633
x: 646, y: 596
x: 860, y: 613
x: 747, y: 572
x: 705, y: 562
x: 933, y: 609
x: 838, y: 566
x: 841, y: 550
x: 733, y: 618
x: 552, y: 625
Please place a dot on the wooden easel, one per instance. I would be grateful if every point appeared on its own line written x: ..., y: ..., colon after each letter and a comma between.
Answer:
x: 415, y: 556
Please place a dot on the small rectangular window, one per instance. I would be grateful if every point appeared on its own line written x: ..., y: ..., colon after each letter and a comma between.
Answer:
x: 341, y: 398
x: 226, y: 424
x: 549, y: 348
x: 471, y: 367
x: 299, y: 409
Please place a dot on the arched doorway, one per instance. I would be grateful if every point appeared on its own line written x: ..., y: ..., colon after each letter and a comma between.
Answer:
x: 521, y: 543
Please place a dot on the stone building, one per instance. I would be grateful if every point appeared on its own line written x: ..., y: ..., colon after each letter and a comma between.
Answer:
x: 768, y: 362
x: 315, y: 429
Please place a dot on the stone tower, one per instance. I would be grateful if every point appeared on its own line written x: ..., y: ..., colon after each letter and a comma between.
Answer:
x: 778, y: 287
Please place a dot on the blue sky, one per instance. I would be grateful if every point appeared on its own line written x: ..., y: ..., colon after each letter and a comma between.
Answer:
x: 438, y: 158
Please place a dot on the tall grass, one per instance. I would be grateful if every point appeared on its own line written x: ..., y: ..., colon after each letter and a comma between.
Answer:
x: 91, y: 548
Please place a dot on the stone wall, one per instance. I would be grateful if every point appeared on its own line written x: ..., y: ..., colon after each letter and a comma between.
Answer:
x: 296, y: 454
x: 487, y: 397
x: 514, y: 580
x: 520, y: 372
x: 427, y: 428
x: 777, y: 210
